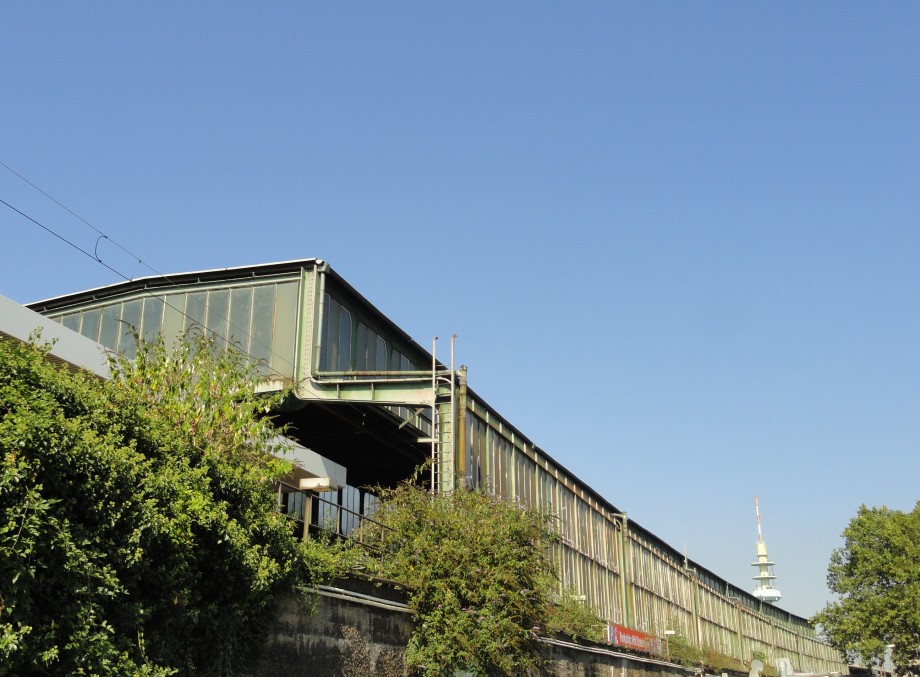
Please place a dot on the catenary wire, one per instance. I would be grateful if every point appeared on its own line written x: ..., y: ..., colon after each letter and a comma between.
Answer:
x: 163, y: 297
x: 95, y: 256
x: 72, y: 213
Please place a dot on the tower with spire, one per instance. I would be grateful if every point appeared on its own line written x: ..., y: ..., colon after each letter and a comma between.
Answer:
x: 765, y: 590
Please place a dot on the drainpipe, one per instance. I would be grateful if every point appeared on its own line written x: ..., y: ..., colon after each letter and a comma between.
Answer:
x: 320, y: 303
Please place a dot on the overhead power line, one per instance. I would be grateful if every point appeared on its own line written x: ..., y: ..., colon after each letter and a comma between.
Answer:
x: 98, y: 259
x: 75, y: 215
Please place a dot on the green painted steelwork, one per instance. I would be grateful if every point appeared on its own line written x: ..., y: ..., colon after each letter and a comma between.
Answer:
x: 344, y: 359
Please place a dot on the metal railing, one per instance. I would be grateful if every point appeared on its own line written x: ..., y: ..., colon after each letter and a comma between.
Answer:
x: 315, y: 515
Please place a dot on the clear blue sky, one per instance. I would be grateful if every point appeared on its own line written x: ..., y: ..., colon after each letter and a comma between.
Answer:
x: 679, y: 241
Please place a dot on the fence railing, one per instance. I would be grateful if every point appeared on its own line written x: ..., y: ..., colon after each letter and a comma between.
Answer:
x: 312, y: 515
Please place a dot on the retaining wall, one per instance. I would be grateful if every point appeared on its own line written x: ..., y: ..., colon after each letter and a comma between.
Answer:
x: 359, y: 629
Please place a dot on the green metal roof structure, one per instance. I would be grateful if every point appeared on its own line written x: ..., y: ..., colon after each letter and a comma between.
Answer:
x: 293, y: 319
x: 366, y: 396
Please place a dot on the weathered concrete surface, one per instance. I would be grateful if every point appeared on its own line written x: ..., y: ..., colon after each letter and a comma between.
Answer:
x: 359, y: 629
x: 346, y: 635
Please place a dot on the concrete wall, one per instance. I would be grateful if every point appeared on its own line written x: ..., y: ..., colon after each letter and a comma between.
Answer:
x: 351, y: 632
x: 358, y: 629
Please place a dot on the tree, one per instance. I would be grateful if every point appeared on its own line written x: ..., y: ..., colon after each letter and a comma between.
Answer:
x: 479, y: 577
x: 138, y: 529
x: 877, y: 576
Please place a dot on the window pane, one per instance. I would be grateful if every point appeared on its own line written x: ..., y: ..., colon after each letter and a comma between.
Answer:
x: 329, y: 348
x: 344, y: 340
x: 240, y: 317
x: 370, y: 350
x: 173, y: 317
x: 263, y: 315
x: 71, y: 321
x: 90, y: 326
x: 195, y: 310
x: 130, y: 323
x: 380, y: 362
x: 218, y: 309
x: 361, y: 347
x: 153, y: 317
x: 282, y: 358
x: 110, y: 326
x: 335, y: 352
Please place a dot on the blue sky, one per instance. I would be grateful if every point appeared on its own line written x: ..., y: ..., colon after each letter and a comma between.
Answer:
x: 679, y: 242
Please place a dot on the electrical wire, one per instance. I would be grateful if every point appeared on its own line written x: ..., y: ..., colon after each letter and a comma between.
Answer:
x: 61, y: 237
x: 73, y: 213
x: 171, y: 283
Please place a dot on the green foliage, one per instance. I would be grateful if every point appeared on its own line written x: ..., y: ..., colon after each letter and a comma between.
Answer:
x: 478, y: 576
x: 681, y: 649
x: 138, y: 531
x: 877, y: 576
x: 716, y: 661
x: 569, y: 615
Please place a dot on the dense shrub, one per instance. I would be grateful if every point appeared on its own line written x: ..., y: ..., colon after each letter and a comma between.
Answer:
x: 479, y: 576
x: 138, y: 530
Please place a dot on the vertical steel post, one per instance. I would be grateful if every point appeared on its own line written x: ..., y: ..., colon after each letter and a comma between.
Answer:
x: 453, y: 408
x: 460, y: 437
x: 624, y: 571
x: 738, y: 616
x: 307, y: 513
x: 697, y: 620
x: 434, y: 414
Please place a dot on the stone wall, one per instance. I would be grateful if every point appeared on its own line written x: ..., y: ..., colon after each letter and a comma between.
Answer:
x: 359, y: 629
x: 352, y: 631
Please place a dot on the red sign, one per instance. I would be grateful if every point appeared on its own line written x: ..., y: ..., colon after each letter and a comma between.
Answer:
x: 633, y: 639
